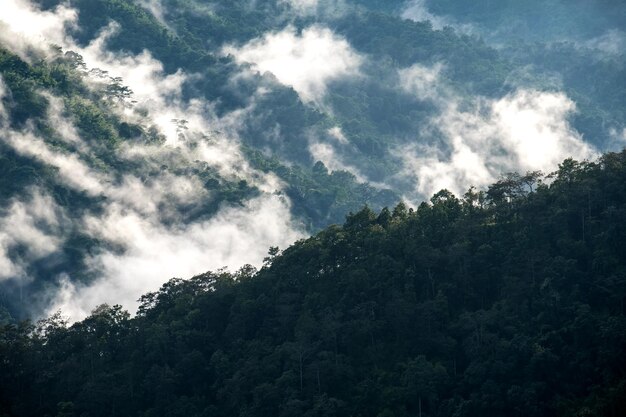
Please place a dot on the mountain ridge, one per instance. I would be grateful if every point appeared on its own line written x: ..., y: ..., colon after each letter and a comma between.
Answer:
x: 509, y: 301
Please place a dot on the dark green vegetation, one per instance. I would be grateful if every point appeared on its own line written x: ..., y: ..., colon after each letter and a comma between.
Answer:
x: 508, y: 302
x: 28, y: 90
x: 319, y: 198
x: 373, y: 113
x: 375, y: 116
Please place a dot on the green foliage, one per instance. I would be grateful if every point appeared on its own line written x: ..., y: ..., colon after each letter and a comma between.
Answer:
x: 375, y: 116
x: 28, y: 89
x: 319, y: 196
x: 503, y: 302
x: 486, y: 305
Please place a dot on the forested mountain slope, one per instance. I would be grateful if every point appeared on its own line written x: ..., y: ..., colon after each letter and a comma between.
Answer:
x: 504, y: 302
x: 145, y: 139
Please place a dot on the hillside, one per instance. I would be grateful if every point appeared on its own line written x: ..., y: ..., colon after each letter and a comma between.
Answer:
x: 141, y: 140
x: 504, y: 302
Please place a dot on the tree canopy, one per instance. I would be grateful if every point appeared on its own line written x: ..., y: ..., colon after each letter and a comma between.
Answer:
x: 504, y: 302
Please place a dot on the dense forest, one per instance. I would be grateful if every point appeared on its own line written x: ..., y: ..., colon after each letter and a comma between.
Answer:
x: 508, y: 302
x: 173, y: 118
x: 406, y: 208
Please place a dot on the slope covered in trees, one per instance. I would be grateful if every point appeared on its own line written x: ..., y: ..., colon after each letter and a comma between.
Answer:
x: 60, y: 121
x: 405, y: 104
x: 504, y: 302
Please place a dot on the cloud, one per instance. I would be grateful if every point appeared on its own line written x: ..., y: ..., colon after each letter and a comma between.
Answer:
x: 159, y: 195
x: 155, y: 253
x: 154, y: 250
x: 326, y: 147
x: 417, y: 10
x: 422, y: 81
x: 63, y: 125
x: 160, y: 95
x: 32, y: 223
x: 141, y: 72
x: 145, y: 207
x: 306, y: 61
x: 156, y: 8
x: 4, y: 116
x: 337, y: 134
x: 301, y: 6
x: 526, y: 130
x: 142, y: 216
x: 612, y: 43
x: 327, y: 154
x: 71, y: 169
x: 24, y: 28
x: 618, y: 137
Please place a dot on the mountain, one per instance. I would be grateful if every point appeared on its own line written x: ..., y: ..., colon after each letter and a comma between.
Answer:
x: 504, y: 302
x: 145, y: 140
x: 406, y: 208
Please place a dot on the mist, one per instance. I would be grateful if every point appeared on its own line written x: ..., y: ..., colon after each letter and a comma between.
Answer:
x: 140, y: 215
x: 33, y: 223
x: 306, y: 61
x: 150, y: 216
x: 473, y: 143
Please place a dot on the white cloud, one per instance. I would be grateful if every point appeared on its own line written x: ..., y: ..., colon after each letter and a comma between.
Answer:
x: 422, y: 81
x: 135, y: 208
x: 417, y: 10
x: 156, y: 8
x: 155, y: 253
x: 523, y: 131
x: 61, y: 123
x: 24, y: 27
x: 535, y: 128
x: 3, y: 112
x: 326, y: 153
x: 618, y: 137
x: 71, y: 169
x: 141, y: 72
x: 157, y: 196
x: 160, y: 94
x: 307, y: 62
x: 612, y: 42
x: 337, y: 134
x: 134, y: 212
x: 141, y: 206
x: 32, y: 222
x: 301, y: 6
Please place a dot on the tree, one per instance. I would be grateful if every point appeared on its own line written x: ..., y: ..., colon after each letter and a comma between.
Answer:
x: 423, y: 381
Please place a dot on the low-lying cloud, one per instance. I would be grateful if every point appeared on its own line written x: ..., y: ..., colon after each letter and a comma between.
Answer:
x: 134, y: 210
x: 417, y: 10
x: 32, y: 223
x: 154, y: 253
x: 422, y: 81
x: 611, y: 43
x: 24, y: 28
x: 144, y: 208
x: 301, y: 6
x: 306, y: 61
x: 526, y: 130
